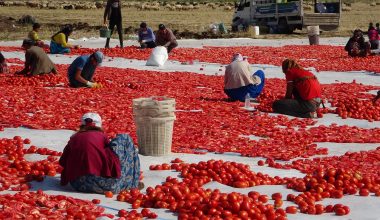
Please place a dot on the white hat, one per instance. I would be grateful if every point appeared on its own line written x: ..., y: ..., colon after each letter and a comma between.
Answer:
x: 237, y: 57
x: 92, y: 118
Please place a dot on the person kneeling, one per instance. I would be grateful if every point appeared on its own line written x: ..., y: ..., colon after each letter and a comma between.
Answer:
x: 166, y: 38
x: 36, y: 60
x: 82, y: 70
x: 59, y: 41
x: 303, y: 92
x: 91, y: 163
x: 356, y: 45
x: 239, y: 80
x: 146, y: 36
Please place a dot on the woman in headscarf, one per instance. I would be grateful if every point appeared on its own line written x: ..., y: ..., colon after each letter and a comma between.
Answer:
x: 303, y: 92
x: 59, y: 41
x: 356, y: 45
x: 240, y: 81
x: 92, y: 163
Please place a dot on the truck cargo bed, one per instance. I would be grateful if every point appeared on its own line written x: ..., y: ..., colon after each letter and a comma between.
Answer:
x: 325, y: 21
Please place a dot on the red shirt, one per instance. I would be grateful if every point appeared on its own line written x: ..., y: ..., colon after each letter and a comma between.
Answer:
x: 309, y: 88
x: 88, y: 153
x: 373, y: 34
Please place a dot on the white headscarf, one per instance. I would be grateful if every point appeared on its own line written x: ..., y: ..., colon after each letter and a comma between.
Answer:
x: 237, y: 57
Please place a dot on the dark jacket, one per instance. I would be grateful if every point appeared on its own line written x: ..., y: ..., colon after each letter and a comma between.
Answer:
x: 111, y: 13
x: 360, y: 42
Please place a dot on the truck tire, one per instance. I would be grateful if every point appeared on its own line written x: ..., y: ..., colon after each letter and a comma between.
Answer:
x: 283, y: 27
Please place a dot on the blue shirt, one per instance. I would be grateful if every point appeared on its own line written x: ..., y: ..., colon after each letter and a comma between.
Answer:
x: 84, y: 64
x: 147, y: 35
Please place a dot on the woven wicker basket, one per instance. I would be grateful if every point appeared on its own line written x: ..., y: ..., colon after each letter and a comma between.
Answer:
x: 154, y: 135
x: 156, y: 106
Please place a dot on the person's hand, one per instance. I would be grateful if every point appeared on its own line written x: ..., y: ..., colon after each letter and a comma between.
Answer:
x: 89, y: 84
x: 94, y: 85
x: 76, y: 46
x: 97, y: 85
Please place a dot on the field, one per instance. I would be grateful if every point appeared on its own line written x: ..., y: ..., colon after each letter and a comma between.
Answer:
x: 226, y: 161
x: 195, y: 21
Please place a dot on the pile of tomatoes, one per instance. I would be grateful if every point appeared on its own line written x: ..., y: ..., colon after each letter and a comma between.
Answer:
x: 190, y: 200
x: 16, y: 172
x: 38, y: 205
x: 330, y: 183
x: 46, y: 102
x: 317, y: 56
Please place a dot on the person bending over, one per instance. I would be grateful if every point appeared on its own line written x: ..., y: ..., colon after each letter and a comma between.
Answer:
x: 146, y: 36
x: 303, y: 92
x: 82, y: 70
x: 166, y: 38
x: 239, y: 80
x: 91, y: 163
x: 59, y: 41
x: 36, y: 60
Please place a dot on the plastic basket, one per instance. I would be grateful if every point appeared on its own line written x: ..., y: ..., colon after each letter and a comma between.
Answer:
x: 154, y: 135
x: 156, y: 106
x: 105, y: 32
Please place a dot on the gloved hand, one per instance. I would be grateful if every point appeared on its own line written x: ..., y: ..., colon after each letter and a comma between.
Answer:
x: 97, y: 85
x: 94, y: 85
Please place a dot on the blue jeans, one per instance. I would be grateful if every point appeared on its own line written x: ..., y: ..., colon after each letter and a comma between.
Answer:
x: 123, y: 146
x: 57, y: 48
x: 253, y: 90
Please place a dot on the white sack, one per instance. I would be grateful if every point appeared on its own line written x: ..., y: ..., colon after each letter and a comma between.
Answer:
x: 158, y: 57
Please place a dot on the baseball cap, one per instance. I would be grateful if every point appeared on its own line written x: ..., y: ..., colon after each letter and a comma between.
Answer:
x: 98, y: 57
x: 161, y: 26
x: 91, y: 119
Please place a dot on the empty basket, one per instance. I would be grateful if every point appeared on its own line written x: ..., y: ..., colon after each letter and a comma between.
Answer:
x: 154, y: 118
x: 154, y: 135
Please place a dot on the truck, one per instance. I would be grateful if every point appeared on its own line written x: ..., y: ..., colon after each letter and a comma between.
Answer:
x: 285, y: 16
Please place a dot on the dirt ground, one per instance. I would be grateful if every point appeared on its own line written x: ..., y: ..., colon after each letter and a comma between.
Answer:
x: 187, y: 24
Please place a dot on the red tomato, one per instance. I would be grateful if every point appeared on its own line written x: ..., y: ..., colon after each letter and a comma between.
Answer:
x: 108, y: 194
x: 291, y: 209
